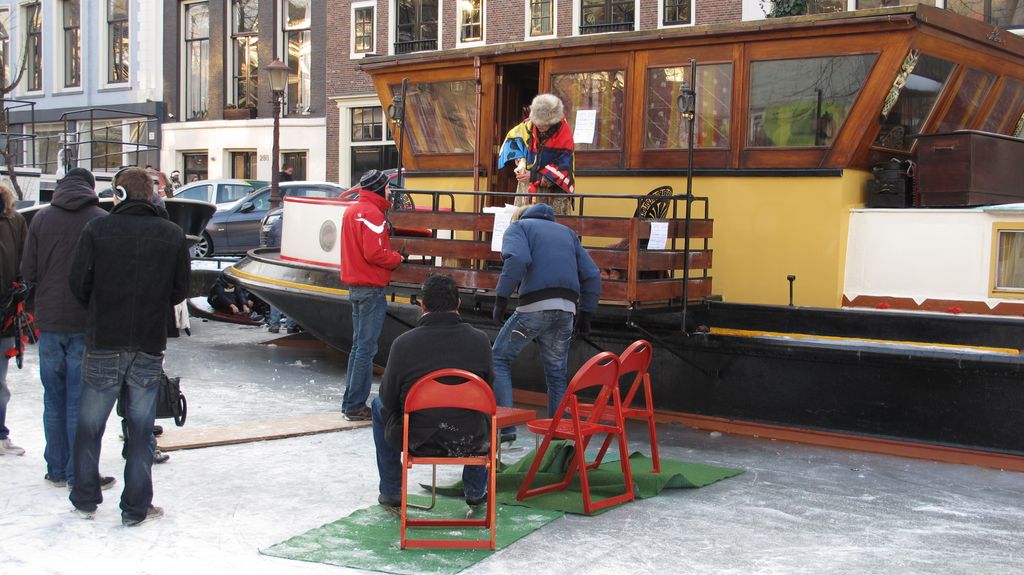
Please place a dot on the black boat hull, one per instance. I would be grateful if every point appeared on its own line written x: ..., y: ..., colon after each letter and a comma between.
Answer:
x: 948, y: 397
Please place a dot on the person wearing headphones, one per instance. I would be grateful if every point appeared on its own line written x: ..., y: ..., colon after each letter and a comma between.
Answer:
x: 128, y: 268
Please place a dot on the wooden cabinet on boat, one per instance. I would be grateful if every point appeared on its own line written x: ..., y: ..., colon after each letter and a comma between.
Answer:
x: 968, y: 168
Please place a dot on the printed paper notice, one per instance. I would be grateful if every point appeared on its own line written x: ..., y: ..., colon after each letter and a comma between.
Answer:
x: 502, y: 220
x: 659, y: 235
x: 585, y: 122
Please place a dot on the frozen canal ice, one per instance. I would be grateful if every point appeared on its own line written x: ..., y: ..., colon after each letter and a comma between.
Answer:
x: 797, y: 509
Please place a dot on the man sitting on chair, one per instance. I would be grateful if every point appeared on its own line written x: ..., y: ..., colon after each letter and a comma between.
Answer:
x: 440, y: 340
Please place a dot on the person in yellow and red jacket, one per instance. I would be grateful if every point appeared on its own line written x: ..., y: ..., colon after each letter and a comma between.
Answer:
x: 366, y: 264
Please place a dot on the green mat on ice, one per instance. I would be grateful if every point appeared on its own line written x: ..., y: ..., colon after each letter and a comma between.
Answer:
x: 368, y: 539
x: 605, y: 481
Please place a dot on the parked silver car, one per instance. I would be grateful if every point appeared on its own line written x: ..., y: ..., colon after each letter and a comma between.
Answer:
x: 222, y: 193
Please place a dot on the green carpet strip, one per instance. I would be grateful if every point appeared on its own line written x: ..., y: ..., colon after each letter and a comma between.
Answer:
x: 368, y: 539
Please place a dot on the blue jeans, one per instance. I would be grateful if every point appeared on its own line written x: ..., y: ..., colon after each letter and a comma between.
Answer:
x: 105, y: 373
x: 60, y: 370
x: 369, y: 307
x: 6, y: 343
x: 276, y: 316
x: 389, y: 464
x: 553, y: 331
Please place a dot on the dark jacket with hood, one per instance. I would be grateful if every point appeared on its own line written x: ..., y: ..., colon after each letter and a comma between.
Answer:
x: 439, y: 340
x: 51, y: 241
x: 12, y: 241
x: 546, y: 260
x: 129, y: 267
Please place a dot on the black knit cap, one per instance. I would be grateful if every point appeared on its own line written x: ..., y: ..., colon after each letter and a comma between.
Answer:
x: 83, y: 174
x: 374, y: 181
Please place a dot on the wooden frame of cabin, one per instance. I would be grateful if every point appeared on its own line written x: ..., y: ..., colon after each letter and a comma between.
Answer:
x: 501, y: 76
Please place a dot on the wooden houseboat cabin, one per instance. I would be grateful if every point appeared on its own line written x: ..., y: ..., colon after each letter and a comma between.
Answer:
x: 791, y: 116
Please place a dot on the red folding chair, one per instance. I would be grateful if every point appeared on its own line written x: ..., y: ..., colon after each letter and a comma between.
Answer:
x: 472, y: 393
x: 636, y: 359
x: 571, y: 424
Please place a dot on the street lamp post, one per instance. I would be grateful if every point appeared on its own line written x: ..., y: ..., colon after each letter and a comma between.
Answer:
x: 278, y: 71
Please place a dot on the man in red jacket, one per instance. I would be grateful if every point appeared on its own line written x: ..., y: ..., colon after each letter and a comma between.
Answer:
x: 366, y: 264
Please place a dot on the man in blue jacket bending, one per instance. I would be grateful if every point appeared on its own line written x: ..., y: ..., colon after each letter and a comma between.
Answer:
x: 557, y: 281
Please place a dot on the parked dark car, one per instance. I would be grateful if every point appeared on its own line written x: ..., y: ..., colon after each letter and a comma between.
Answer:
x: 237, y: 230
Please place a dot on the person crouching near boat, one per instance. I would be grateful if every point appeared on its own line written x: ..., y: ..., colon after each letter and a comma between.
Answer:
x: 543, y: 152
x: 367, y: 261
x: 128, y: 268
x: 439, y: 340
x: 558, y: 283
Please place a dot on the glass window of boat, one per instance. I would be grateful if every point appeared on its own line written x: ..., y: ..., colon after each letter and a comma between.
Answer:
x: 1010, y: 260
x: 440, y: 116
x: 915, y: 90
x: 602, y: 93
x: 664, y: 126
x: 1005, y: 13
x: 1005, y: 113
x: 968, y: 98
x: 598, y: 16
x: 416, y: 28
x: 542, y: 20
x: 803, y: 102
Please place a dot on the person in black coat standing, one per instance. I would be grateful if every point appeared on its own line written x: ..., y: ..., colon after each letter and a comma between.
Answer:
x: 60, y: 317
x: 439, y: 340
x: 128, y: 268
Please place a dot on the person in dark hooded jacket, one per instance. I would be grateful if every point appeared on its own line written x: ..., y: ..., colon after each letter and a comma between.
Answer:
x: 128, y: 268
x: 227, y: 296
x: 60, y: 317
x: 559, y: 286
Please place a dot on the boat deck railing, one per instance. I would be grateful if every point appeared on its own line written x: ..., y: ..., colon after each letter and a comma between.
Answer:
x: 457, y: 241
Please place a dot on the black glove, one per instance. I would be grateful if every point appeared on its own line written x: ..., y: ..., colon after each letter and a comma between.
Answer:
x: 583, y: 322
x: 500, y: 305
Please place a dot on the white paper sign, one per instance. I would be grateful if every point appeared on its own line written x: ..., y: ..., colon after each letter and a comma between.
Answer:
x: 659, y: 236
x: 502, y: 220
x: 584, y: 131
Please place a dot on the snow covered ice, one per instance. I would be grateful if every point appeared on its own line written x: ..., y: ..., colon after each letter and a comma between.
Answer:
x: 797, y: 509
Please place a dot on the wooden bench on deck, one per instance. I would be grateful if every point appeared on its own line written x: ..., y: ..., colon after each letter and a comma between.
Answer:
x: 477, y: 267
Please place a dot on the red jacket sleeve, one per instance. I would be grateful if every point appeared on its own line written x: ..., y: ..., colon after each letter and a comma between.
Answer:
x: 376, y: 243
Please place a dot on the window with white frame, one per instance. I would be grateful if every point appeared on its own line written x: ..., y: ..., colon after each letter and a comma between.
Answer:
x: 1005, y: 13
x: 598, y: 16
x: 416, y: 26
x: 363, y: 28
x: 245, y: 58
x: 72, y: 38
x: 371, y: 143
x: 298, y: 42
x: 676, y: 12
x: 33, y: 47
x: 541, y: 14
x: 5, y: 43
x: 117, y: 41
x: 471, y: 27
x: 197, y: 60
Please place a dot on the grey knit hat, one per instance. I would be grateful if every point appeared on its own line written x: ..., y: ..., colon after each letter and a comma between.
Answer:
x: 374, y: 181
